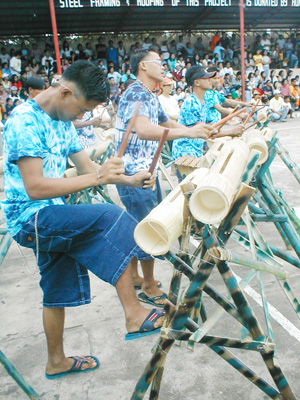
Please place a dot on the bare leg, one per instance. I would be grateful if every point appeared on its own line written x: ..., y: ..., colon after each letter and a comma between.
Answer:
x: 54, y: 320
x: 137, y: 279
x: 150, y: 285
x: 135, y: 314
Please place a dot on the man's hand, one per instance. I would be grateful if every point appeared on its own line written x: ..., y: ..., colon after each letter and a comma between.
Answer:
x: 201, y: 131
x: 236, y: 131
x: 112, y: 171
x: 141, y: 178
x: 233, y: 131
x: 243, y: 115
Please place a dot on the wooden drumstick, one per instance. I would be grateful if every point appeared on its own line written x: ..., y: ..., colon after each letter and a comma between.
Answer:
x: 252, y: 111
x: 254, y: 123
x: 228, y: 117
x: 129, y: 127
x: 158, y: 151
x: 234, y: 110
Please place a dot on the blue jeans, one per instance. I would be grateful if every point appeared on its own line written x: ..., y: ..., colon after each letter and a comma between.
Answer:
x: 276, y: 117
x: 139, y: 202
x: 73, y: 239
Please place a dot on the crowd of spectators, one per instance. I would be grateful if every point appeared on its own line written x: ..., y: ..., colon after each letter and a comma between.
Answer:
x: 263, y: 57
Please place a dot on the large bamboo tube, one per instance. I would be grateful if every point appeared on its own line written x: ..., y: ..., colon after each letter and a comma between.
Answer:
x: 262, y: 116
x: 214, y: 148
x: 211, y: 201
x: 1, y: 165
x: 156, y: 233
x: 256, y: 140
x: 268, y: 134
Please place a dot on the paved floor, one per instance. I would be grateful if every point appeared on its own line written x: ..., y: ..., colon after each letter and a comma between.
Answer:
x: 98, y: 329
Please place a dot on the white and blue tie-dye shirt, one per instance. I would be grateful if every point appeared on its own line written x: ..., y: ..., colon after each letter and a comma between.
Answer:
x: 211, y: 98
x: 30, y: 132
x: 139, y: 153
x: 192, y: 111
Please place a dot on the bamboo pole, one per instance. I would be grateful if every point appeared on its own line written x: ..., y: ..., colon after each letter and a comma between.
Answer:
x: 30, y: 392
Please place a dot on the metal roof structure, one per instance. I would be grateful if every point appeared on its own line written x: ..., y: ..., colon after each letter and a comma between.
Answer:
x: 32, y: 17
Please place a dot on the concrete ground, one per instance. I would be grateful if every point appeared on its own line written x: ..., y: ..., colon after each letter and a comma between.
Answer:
x: 98, y: 329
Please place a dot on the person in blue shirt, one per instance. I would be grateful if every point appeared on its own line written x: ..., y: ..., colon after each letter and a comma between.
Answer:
x: 112, y: 54
x: 114, y: 74
x: 216, y: 103
x: 69, y: 240
x: 143, y: 142
x: 194, y: 111
x: 5, y: 69
x: 219, y: 50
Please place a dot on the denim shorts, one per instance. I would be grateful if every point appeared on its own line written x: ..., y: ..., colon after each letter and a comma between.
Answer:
x: 73, y: 239
x: 138, y: 201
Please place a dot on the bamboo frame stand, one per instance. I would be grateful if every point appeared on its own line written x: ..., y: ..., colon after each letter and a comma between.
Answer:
x: 182, y: 315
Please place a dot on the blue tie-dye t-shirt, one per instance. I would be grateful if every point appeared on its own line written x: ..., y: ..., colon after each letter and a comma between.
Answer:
x: 192, y: 111
x: 211, y: 98
x: 139, y: 153
x: 30, y: 132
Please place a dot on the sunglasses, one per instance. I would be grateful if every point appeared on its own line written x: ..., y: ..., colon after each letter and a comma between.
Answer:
x: 158, y: 62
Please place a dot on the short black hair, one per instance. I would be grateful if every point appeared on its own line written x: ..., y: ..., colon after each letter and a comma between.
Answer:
x: 136, y: 58
x: 89, y: 79
x: 34, y: 83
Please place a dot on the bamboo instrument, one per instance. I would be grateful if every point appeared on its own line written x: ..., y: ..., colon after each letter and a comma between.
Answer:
x: 156, y: 233
x: 252, y: 111
x: 228, y: 117
x: 268, y: 134
x: 129, y: 128
x: 262, y: 116
x: 211, y: 201
x: 158, y: 151
x: 255, y: 140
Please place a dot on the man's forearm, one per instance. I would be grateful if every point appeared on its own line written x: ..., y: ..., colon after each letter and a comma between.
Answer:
x: 81, y: 124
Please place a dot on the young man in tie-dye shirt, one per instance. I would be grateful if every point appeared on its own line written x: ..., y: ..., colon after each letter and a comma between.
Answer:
x: 148, y: 128
x: 69, y: 240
